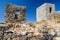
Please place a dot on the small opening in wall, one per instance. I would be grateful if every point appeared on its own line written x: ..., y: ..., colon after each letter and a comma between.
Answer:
x: 17, y: 11
x: 16, y: 16
x: 50, y: 9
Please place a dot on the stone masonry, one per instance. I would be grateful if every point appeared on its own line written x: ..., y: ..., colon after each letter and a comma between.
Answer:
x: 15, y: 27
x: 15, y: 13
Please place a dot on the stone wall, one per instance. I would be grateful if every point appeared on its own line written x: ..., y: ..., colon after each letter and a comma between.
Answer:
x: 15, y: 13
x: 44, y: 12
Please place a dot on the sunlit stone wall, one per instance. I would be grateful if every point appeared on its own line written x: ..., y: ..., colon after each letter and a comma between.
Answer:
x: 15, y: 13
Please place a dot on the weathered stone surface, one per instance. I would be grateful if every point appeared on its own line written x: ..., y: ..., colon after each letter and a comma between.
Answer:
x: 16, y: 29
x: 15, y: 13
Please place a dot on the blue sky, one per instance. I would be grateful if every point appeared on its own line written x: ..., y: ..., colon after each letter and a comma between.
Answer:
x: 31, y: 6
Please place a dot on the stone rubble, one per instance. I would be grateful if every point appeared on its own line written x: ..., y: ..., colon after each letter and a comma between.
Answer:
x: 26, y: 31
x: 16, y: 28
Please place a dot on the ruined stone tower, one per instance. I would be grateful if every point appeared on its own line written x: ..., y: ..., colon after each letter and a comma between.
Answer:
x: 15, y: 13
x: 45, y: 11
